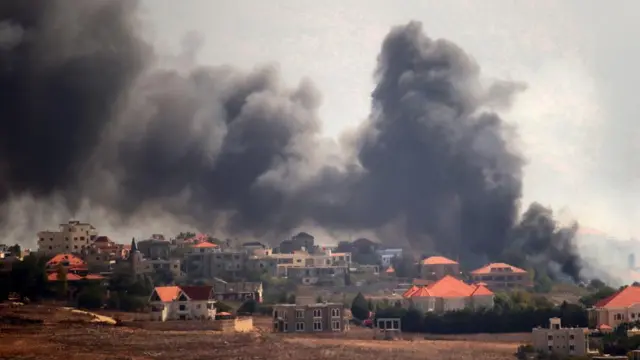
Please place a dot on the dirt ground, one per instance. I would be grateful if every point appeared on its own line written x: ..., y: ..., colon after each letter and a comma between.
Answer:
x: 67, y: 335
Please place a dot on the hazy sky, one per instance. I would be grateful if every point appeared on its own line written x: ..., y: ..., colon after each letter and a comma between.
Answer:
x: 578, y: 122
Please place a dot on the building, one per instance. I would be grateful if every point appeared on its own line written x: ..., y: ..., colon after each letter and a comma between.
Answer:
x: 313, y: 269
x: 70, y: 238
x: 448, y: 294
x: 182, y: 303
x: 155, y: 248
x: 237, y: 291
x: 257, y: 248
x: 500, y: 276
x: 436, y: 267
x: 561, y: 341
x: 206, y: 260
x: 387, y: 255
x: 70, y: 262
x: 322, y: 317
x: 623, y: 306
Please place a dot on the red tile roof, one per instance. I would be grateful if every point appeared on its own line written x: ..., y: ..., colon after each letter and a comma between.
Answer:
x: 390, y: 270
x: 494, y: 268
x: 171, y: 293
x: 70, y: 259
x: 438, y: 260
x: 75, y: 277
x: 410, y: 291
x: 205, y: 244
x: 197, y: 292
x: 621, y: 299
x: 167, y: 293
x: 481, y: 290
x: 447, y: 287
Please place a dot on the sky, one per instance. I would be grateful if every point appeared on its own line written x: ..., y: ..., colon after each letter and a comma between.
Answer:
x: 577, y: 121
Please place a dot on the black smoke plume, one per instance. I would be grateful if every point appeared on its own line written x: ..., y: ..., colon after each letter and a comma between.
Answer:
x: 88, y: 115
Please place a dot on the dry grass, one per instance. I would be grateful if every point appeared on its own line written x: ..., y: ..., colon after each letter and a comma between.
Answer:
x: 59, y: 338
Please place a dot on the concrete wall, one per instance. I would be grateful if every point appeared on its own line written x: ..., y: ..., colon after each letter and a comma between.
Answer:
x: 238, y: 325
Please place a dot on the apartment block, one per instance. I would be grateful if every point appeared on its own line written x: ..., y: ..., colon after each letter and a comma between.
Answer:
x: 561, y: 341
x: 70, y: 238
x: 321, y: 317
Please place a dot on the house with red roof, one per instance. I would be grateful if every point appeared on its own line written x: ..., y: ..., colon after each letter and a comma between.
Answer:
x: 502, y: 277
x: 182, y: 303
x: 437, y: 267
x: 621, y: 307
x: 448, y: 294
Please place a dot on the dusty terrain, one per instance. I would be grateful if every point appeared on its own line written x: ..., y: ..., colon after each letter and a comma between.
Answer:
x: 63, y: 334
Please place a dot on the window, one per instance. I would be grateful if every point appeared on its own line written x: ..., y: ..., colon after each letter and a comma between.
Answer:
x: 317, y: 313
x: 617, y: 316
x: 571, y: 337
x: 633, y: 316
x: 550, y: 337
x: 335, y: 312
x: 317, y: 325
x: 285, y: 327
x: 300, y: 326
x: 335, y: 325
x: 82, y: 238
x: 183, y: 307
x: 550, y: 348
x: 299, y: 314
x: 572, y: 348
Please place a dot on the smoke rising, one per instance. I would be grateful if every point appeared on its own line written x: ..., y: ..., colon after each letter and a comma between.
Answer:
x: 94, y: 125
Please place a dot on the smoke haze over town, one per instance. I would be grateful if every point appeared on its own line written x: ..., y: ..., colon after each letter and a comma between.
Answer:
x: 98, y: 123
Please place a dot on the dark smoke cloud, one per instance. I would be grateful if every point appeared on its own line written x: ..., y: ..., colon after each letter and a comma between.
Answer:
x: 92, y: 116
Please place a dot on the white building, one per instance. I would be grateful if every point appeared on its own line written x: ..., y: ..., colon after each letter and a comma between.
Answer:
x: 182, y: 303
x: 70, y: 238
x: 387, y: 255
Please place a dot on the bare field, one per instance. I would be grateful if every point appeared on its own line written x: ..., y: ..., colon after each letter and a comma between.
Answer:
x: 63, y: 337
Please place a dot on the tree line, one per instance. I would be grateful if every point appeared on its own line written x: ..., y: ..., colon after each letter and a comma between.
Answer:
x: 515, y: 312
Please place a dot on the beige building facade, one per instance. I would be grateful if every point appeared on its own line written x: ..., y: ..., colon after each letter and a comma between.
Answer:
x: 321, y: 317
x: 72, y: 237
x: 560, y: 341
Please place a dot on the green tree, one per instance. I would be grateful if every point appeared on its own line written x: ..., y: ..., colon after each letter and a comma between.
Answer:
x: 248, y: 307
x: 185, y: 235
x: 91, y: 297
x: 319, y: 298
x: 62, y: 285
x: 591, y: 299
x: 28, y: 277
x: 291, y: 299
x: 15, y: 250
x: 360, y: 307
x: 404, y: 266
x: 222, y: 307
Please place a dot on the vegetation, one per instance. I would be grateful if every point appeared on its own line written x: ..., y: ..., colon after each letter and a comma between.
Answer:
x: 129, y: 292
x: 248, y: 307
x: 222, y: 307
x: 496, y: 320
x: 27, y: 278
x: 91, y: 297
x: 360, y: 307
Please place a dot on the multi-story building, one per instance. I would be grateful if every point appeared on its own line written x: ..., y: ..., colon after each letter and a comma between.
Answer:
x: 621, y: 307
x: 309, y: 269
x: 500, y: 277
x: 256, y: 248
x: 301, y: 242
x: 387, y: 255
x: 448, y: 294
x: 207, y: 260
x: 70, y: 238
x: 237, y: 291
x: 182, y: 303
x: 322, y: 317
x: 155, y: 248
x: 561, y: 341
x: 436, y: 267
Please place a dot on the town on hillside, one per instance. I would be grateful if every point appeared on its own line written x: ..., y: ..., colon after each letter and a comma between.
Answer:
x: 200, y: 282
